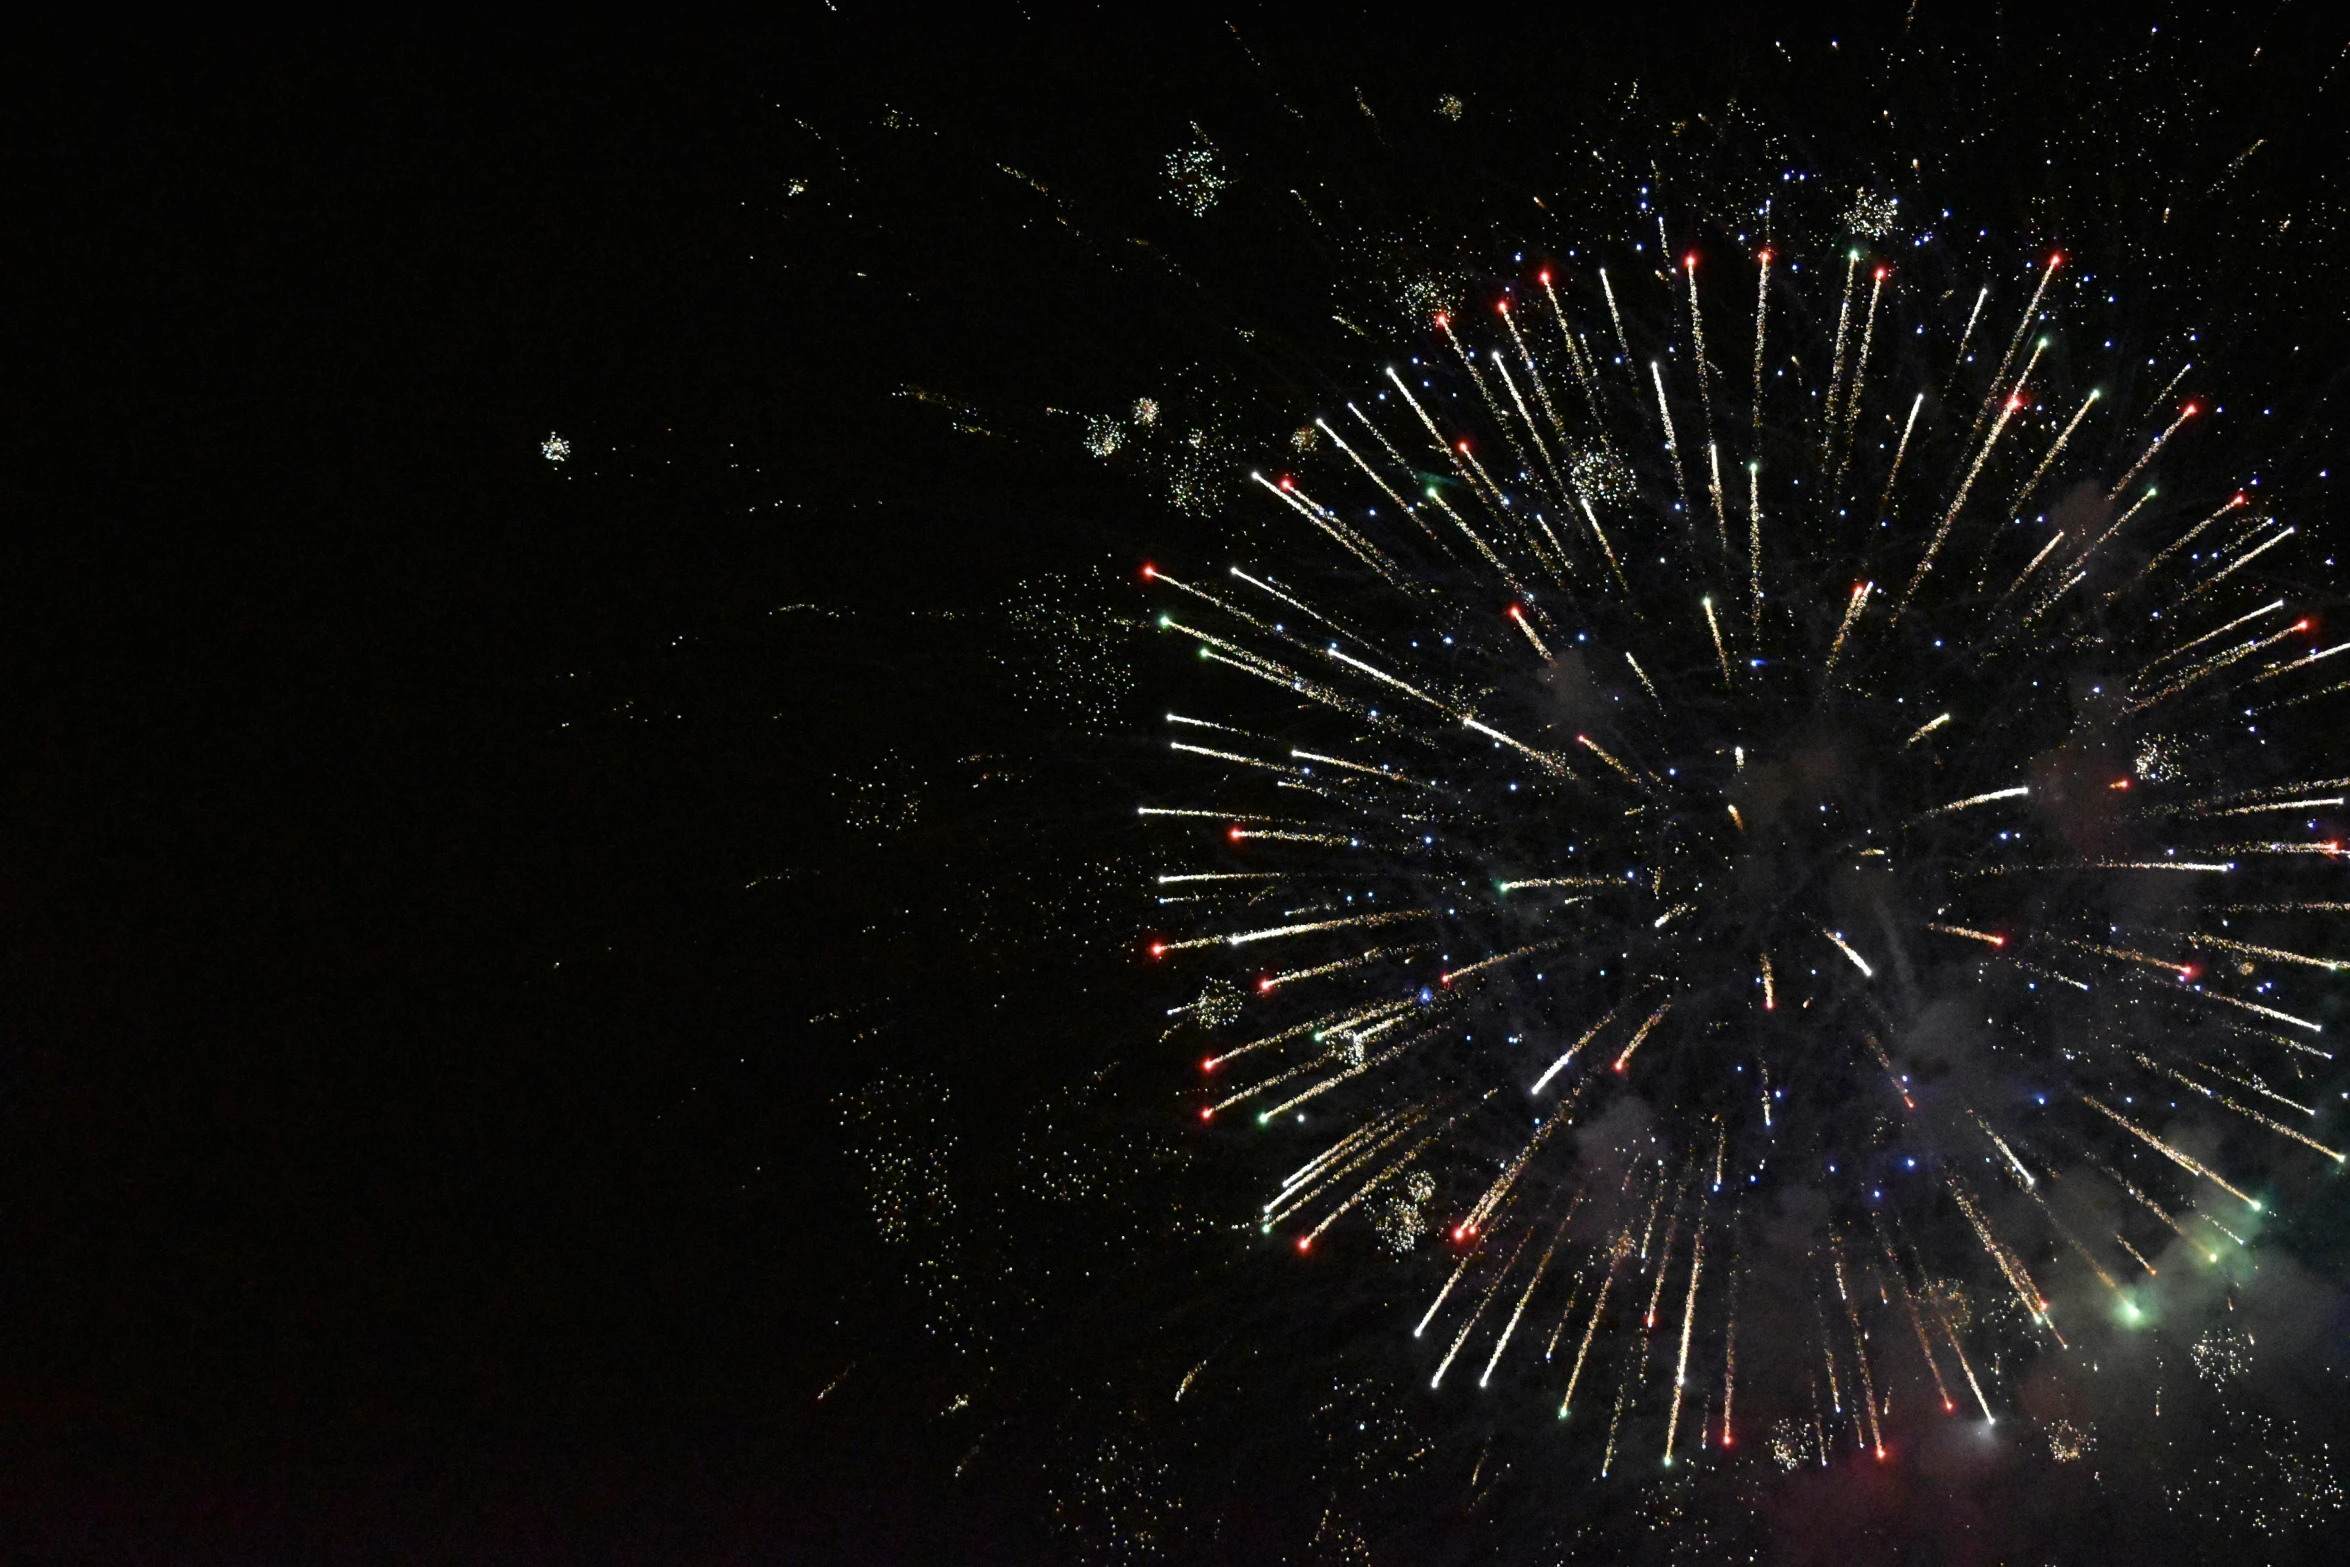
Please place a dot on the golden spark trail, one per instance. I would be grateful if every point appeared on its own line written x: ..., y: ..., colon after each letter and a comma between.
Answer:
x: 1858, y: 961
x: 1977, y: 799
x: 1245, y: 937
x: 1606, y: 548
x: 1229, y: 756
x: 1885, y: 500
x: 1273, y: 982
x: 1534, y: 371
x: 1373, y: 475
x: 2152, y: 1207
x: 1713, y: 457
x: 2023, y: 576
x: 1354, y: 543
x: 1512, y: 1326
x: 2176, y: 545
x: 1967, y: 336
x: 2253, y: 1006
x: 1942, y: 531
x: 2119, y: 523
x: 1836, y: 374
x: 1500, y: 957
x: 2021, y: 328
x: 1925, y: 729
x: 2056, y: 450
x: 2185, y: 414
x: 2199, y: 939
x: 1754, y: 549
x: 1622, y: 342
x: 2018, y: 1278
x: 1484, y: 1301
x: 1705, y: 392
x: 2234, y: 566
x: 2183, y: 1161
x: 1590, y: 1034
x: 1306, y: 1241
x: 1720, y: 652
x: 1860, y: 1355
x: 2217, y: 1097
x: 1518, y: 616
x: 1583, y: 372
x: 1770, y: 1003
x: 1518, y: 401
x: 1860, y: 372
x: 1646, y: 683
x: 1477, y: 539
x: 1664, y: 411
x: 1917, y: 1323
x: 1640, y: 1034
x: 1607, y: 1282
x: 2302, y: 662
x: 1762, y: 307
x: 1557, y: 881
x: 1630, y: 776
x: 1356, y: 767
x: 1688, y: 1320
x: 1852, y: 610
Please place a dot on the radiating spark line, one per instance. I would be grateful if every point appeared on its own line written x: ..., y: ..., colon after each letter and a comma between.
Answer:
x: 2185, y: 414
x: 2183, y: 1161
x: 1518, y: 616
x: 1642, y: 1033
x: 1925, y: 729
x: 1721, y: 652
x: 1901, y: 450
x: 1389, y: 917
x: 1852, y: 609
x: 1664, y: 410
x: 1688, y: 1321
x: 1858, y: 961
x: 1511, y: 1326
x: 2055, y: 450
x: 1559, y: 1065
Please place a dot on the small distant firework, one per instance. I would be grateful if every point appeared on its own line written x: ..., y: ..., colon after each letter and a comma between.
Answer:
x: 1450, y: 106
x: 1103, y: 436
x: 1871, y: 215
x: 1195, y: 176
x: 2222, y: 1354
x: 1615, y: 739
x: 2067, y: 1442
x: 883, y: 799
x: 555, y: 449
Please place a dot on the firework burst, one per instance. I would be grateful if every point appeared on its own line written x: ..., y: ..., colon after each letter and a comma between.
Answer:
x: 1792, y: 880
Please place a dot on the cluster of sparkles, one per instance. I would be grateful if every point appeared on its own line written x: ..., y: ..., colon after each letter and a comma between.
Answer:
x: 883, y: 799
x: 555, y: 449
x: 1195, y: 176
x: 2222, y: 1354
x: 2270, y: 1477
x: 1655, y: 733
x: 1402, y: 1220
x: 1872, y: 216
x: 2067, y: 1442
x: 1070, y: 653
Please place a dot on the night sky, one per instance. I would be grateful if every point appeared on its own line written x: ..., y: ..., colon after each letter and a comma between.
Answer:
x: 476, y: 929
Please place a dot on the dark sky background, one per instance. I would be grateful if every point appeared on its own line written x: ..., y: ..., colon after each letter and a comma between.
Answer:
x: 413, y: 1144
